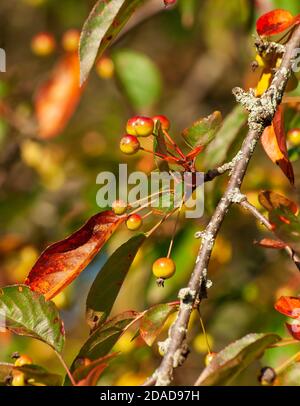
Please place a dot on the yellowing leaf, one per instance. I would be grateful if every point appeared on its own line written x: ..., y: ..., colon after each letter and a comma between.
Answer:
x: 264, y: 82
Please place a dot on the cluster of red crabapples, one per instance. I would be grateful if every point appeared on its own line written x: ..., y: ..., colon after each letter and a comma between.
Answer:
x: 139, y: 127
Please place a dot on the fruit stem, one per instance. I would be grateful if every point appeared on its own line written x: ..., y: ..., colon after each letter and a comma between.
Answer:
x: 150, y: 196
x: 150, y: 232
x: 285, y: 342
x: 204, y: 332
x: 174, y: 230
x: 161, y: 156
x: 147, y: 214
x: 287, y: 363
x: 170, y: 139
x: 139, y: 209
x: 62, y: 361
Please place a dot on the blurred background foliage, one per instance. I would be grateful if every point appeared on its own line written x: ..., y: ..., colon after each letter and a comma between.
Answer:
x: 182, y: 63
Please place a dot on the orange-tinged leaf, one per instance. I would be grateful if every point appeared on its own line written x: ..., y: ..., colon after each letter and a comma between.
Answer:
x: 57, y: 99
x: 195, y: 152
x: 81, y: 373
x: 63, y: 261
x: 274, y: 143
x: 93, y: 376
x: 153, y: 321
x: 289, y: 306
x: 274, y: 22
x: 271, y: 201
x: 203, y: 131
x: 273, y: 244
x: 294, y: 330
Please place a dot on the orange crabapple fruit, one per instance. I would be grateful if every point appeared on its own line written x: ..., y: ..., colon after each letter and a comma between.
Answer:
x: 134, y: 222
x: 140, y: 126
x: 163, y: 268
x: 43, y: 44
x: 23, y: 360
x: 119, y: 207
x: 105, y: 68
x: 70, y: 40
x: 164, y: 122
x: 129, y: 144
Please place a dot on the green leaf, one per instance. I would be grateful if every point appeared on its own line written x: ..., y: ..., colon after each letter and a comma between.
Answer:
x: 203, y: 131
x: 34, y: 374
x: 159, y: 145
x: 104, y: 338
x: 109, y: 280
x: 153, y: 321
x: 139, y: 78
x: 26, y: 313
x: 216, y: 152
x: 234, y: 358
x: 104, y: 23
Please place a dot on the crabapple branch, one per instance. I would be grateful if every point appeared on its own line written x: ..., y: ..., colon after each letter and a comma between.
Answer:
x: 261, y: 112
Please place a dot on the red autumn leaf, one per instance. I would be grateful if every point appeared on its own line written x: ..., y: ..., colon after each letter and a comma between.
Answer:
x: 93, y: 376
x: 294, y: 330
x: 271, y: 201
x: 273, y: 244
x: 289, y: 306
x: 195, y: 152
x: 274, y: 144
x: 81, y: 373
x: 275, y: 22
x: 57, y: 99
x: 63, y: 261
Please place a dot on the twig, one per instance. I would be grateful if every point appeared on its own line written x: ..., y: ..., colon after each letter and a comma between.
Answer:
x: 227, y: 167
x: 287, y: 363
x: 261, y: 113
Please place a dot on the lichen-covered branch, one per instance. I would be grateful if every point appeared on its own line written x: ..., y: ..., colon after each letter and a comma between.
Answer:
x: 261, y: 113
